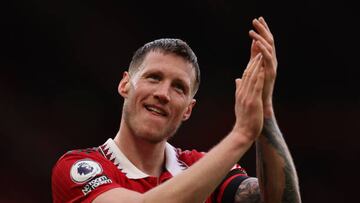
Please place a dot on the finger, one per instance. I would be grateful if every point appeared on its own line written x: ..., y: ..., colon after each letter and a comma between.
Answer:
x: 251, y: 79
x: 261, y: 29
x: 255, y: 36
x: 247, y: 69
x: 238, y: 85
x: 259, y: 85
x: 254, y: 50
x: 250, y: 67
x: 255, y: 88
x: 262, y: 21
x: 264, y: 50
x: 269, y: 58
x: 256, y: 68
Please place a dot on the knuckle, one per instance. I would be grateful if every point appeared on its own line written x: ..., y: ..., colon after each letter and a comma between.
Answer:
x: 249, y: 104
x: 245, y: 74
x: 253, y: 80
x: 258, y: 89
x: 271, y: 40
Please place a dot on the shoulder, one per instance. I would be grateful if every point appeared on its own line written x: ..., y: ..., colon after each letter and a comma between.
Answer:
x: 82, y: 174
x: 75, y: 155
x: 79, y: 159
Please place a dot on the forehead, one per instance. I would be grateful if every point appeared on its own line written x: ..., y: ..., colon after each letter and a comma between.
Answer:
x: 168, y: 63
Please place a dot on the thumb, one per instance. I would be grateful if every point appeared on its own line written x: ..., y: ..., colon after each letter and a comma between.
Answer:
x: 253, y: 49
x: 238, y: 83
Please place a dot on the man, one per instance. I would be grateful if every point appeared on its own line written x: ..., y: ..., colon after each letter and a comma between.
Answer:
x: 138, y: 165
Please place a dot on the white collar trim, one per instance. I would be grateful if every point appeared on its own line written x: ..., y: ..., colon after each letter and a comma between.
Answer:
x: 114, y: 154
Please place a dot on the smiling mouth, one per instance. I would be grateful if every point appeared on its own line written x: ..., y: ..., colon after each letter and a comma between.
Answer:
x: 155, y: 110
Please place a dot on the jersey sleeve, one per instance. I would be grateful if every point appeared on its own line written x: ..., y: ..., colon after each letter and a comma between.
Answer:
x: 225, y: 192
x: 81, y: 176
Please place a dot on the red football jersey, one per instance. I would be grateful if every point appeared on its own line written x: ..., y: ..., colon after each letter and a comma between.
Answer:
x: 82, y: 175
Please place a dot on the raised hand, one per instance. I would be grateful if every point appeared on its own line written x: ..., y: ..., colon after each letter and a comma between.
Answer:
x: 263, y: 42
x: 248, y: 99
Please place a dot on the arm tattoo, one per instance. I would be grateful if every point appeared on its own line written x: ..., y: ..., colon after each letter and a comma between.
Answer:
x: 273, y: 154
x: 248, y: 192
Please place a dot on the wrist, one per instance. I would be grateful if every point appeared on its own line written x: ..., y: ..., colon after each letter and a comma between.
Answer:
x: 242, y: 137
x: 268, y: 110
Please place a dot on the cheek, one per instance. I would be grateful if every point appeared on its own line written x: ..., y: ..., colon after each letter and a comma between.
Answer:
x: 181, y: 107
x: 141, y: 90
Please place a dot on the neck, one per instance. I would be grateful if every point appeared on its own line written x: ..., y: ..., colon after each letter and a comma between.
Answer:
x: 146, y: 156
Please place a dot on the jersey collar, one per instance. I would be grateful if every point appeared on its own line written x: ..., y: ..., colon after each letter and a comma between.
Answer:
x: 114, y: 154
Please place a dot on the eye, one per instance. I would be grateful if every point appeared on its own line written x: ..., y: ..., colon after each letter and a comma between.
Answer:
x: 154, y: 77
x: 180, y: 88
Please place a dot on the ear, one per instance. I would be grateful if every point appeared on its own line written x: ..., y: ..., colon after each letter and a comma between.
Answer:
x: 124, y: 85
x: 188, y: 111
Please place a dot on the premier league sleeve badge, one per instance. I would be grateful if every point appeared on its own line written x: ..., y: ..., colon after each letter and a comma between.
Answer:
x: 84, y: 170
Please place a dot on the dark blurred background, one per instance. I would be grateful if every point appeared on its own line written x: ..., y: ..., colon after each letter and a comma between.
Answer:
x: 61, y: 63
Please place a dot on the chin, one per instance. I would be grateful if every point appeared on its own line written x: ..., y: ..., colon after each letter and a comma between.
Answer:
x: 154, y: 136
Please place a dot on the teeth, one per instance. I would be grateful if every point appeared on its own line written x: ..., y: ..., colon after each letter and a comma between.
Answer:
x: 155, y: 110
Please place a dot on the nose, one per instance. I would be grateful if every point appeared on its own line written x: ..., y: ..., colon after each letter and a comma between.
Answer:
x: 162, y: 93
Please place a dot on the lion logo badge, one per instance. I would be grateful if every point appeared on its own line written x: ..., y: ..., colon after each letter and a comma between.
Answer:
x: 84, y: 170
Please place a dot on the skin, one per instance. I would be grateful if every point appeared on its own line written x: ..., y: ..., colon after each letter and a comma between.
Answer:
x: 278, y: 181
x: 157, y: 100
x: 255, y: 122
x: 189, y: 184
x: 263, y: 42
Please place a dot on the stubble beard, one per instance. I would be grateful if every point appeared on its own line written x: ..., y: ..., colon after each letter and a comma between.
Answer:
x: 138, y: 130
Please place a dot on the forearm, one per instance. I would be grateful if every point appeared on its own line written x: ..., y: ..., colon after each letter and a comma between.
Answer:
x: 275, y: 168
x: 200, y: 180
x: 194, y: 184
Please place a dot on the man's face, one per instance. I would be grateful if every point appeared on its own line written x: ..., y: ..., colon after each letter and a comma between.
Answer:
x: 158, y: 97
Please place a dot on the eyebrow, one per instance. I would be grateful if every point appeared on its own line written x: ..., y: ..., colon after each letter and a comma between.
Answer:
x: 177, y: 80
